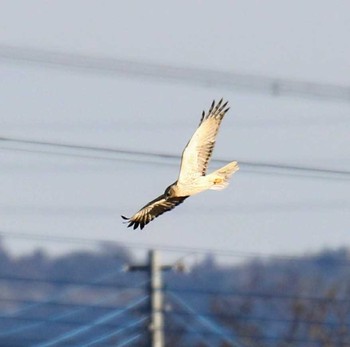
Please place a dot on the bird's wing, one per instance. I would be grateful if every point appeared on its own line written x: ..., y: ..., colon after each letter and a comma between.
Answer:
x: 152, y: 210
x: 197, y: 153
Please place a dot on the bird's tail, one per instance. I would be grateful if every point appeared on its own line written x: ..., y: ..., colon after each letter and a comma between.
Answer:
x: 220, y: 178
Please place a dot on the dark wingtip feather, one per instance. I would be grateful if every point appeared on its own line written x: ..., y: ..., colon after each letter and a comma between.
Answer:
x: 125, y: 218
x: 217, y: 107
x: 211, y: 107
x: 203, y: 115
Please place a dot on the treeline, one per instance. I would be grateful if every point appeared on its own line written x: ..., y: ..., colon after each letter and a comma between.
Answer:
x: 275, y: 302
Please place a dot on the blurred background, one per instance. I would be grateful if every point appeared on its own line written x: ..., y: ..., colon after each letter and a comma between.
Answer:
x: 98, y: 100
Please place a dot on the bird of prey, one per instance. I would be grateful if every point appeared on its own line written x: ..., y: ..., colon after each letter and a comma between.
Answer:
x: 194, y: 163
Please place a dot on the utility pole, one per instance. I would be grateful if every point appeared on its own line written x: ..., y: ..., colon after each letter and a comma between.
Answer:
x: 154, y: 270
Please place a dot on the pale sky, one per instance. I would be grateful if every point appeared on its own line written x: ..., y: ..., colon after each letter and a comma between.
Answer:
x: 258, y: 212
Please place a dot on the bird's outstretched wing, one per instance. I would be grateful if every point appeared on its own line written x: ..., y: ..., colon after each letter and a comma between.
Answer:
x: 197, y: 153
x: 152, y: 210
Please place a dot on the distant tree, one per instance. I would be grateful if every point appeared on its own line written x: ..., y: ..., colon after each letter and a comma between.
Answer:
x: 297, y: 320
x: 4, y: 259
x: 264, y: 303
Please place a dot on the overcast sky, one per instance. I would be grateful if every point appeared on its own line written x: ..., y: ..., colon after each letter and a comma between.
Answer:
x: 261, y: 212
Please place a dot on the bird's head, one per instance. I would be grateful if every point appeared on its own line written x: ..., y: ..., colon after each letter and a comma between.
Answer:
x: 170, y: 191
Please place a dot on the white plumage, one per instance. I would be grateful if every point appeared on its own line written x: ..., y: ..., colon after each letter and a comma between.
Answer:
x: 194, y: 164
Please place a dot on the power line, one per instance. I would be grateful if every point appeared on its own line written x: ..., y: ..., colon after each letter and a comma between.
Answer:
x: 65, y: 282
x: 47, y: 303
x: 36, y: 304
x: 36, y: 323
x: 190, y: 328
x: 168, y: 159
x: 256, y: 337
x: 39, y: 322
x: 97, y: 322
x: 57, y: 320
x: 34, y: 340
x: 260, y: 295
x: 221, y: 315
x: 248, y: 167
x: 172, y: 74
x: 117, y: 332
x: 245, y: 318
x: 178, y: 313
x: 129, y: 340
x: 206, y: 322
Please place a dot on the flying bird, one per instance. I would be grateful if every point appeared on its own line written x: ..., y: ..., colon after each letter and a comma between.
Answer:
x: 193, y: 177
